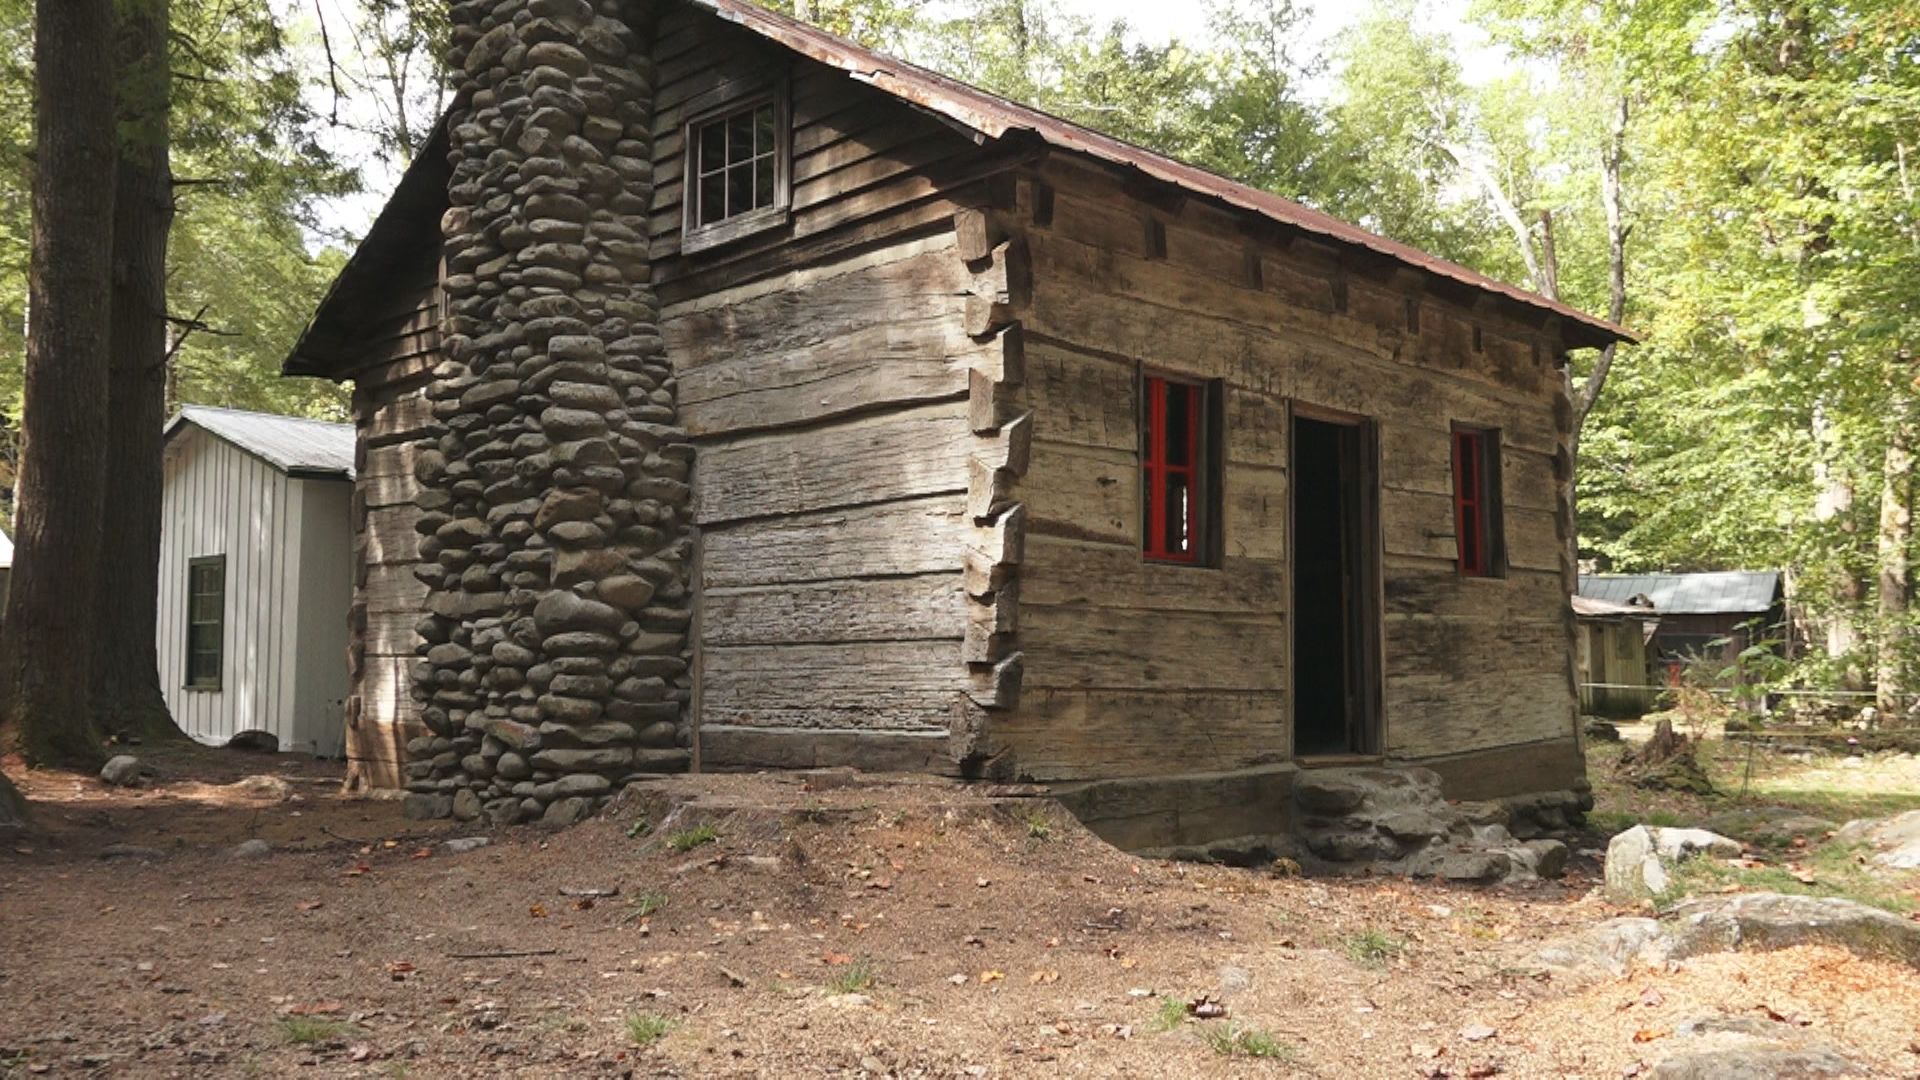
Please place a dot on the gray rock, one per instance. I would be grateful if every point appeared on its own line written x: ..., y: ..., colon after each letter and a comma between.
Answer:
x: 1677, y: 844
x: 464, y: 844
x: 1777, y: 921
x: 560, y: 612
x: 1895, y: 840
x: 1755, y: 1062
x: 1610, y: 949
x: 252, y: 849
x: 121, y: 770
x: 421, y: 806
x: 568, y: 761
x: 1638, y: 859
x: 262, y: 787
x: 579, y: 784
x: 512, y: 766
x: 131, y: 851
x: 255, y: 741
x: 466, y: 804
x: 564, y: 812
x: 1481, y: 866
x: 1769, y: 825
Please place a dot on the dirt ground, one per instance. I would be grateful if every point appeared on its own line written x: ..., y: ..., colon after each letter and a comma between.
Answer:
x: 772, y: 926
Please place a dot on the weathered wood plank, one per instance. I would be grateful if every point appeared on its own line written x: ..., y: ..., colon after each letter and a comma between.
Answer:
x: 919, y: 451
x: 391, y: 633
x: 897, y: 686
x: 1094, y: 734
x: 914, y: 536
x: 1080, y: 492
x: 1444, y: 713
x: 902, y: 362
x: 729, y: 748
x: 1105, y: 648
x: 1060, y: 572
x: 390, y: 535
x: 394, y: 588
x: 401, y: 419
x: 924, y: 607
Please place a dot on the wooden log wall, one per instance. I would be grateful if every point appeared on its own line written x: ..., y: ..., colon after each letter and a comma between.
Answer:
x: 1135, y: 669
x: 823, y: 369
x: 391, y: 414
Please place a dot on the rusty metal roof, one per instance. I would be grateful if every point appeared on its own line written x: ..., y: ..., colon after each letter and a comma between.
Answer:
x: 995, y: 117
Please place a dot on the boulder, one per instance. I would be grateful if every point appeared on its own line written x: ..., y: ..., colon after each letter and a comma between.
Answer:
x: 262, y: 787
x: 121, y: 770
x: 1639, y: 858
x: 252, y: 849
x: 1610, y: 949
x: 255, y: 741
x: 1778, y: 921
x: 1756, y: 1061
x: 1895, y: 840
x: 1776, y: 825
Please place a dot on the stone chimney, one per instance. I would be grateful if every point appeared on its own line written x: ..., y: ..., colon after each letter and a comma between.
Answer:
x: 554, y: 496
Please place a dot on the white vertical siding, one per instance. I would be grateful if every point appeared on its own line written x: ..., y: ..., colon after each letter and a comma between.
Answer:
x: 220, y: 500
x: 319, y: 634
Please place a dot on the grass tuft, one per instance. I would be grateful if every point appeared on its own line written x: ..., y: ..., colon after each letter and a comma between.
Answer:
x: 1173, y: 1013
x: 852, y: 979
x: 647, y: 1028
x: 307, y: 1030
x: 1231, y: 1040
x: 689, y: 839
x: 1372, y: 948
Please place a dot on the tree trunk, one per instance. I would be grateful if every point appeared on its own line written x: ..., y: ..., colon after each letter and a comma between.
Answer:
x: 13, y: 806
x: 45, y: 645
x: 1895, y: 541
x: 1612, y: 157
x: 127, y: 698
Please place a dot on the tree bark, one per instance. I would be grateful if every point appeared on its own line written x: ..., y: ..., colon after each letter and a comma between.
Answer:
x: 45, y: 646
x: 1894, y: 543
x: 127, y: 698
x: 13, y: 806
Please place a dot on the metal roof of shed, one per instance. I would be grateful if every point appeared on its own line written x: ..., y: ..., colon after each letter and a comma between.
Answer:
x: 1724, y: 592
x: 292, y: 444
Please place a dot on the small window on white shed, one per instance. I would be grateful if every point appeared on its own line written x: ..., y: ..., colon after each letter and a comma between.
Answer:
x: 206, y: 620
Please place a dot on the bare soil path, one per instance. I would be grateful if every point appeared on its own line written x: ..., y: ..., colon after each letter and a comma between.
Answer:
x: 769, y: 928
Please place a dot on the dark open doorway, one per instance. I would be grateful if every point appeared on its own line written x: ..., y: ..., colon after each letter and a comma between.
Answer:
x: 1335, y: 680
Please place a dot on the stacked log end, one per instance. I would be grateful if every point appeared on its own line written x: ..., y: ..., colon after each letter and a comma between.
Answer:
x: 554, y: 491
x: 1003, y: 434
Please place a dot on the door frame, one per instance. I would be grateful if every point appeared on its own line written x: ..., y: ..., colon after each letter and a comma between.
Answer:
x: 1367, y: 731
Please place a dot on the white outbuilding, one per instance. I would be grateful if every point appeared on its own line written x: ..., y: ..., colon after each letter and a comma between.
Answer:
x: 256, y: 552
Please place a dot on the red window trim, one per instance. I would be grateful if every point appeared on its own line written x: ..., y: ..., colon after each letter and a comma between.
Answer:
x: 1473, y: 524
x: 1156, y: 466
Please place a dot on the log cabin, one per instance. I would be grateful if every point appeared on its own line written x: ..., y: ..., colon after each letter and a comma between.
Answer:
x: 729, y: 396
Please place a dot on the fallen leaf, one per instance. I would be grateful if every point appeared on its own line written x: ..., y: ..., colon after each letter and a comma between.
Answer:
x: 992, y: 976
x: 308, y: 905
x: 1484, y: 1069
x: 835, y: 959
x: 359, y: 1052
x: 399, y: 970
x: 1647, y: 1035
x: 1039, y: 977
x: 538, y: 911
x: 423, y: 853
x: 1477, y: 1033
x: 1651, y: 996
x: 357, y: 870
x: 1206, y: 1007
x: 585, y: 903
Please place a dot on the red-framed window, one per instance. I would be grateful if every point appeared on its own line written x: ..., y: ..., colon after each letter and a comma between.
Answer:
x: 1476, y: 502
x: 1177, y: 473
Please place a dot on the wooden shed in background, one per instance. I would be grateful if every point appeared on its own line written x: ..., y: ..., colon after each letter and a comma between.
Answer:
x: 1023, y: 452
x: 255, y: 576
x: 1613, y: 660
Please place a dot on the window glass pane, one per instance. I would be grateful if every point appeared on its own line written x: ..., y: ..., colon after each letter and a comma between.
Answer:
x: 1179, y: 511
x: 763, y: 182
x: 763, y: 130
x: 1179, y: 430
x: 713, y: 147
x: 713, y: 198
x: 739, y: 188
x: 739, y: 137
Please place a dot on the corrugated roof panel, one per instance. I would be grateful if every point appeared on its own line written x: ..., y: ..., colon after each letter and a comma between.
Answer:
x: 288, y: 443
x: 1722, y: 592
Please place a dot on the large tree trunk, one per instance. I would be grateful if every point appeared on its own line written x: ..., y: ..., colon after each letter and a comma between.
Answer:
x: 13, y: 807
x: 1893, y: 547
x: 127, y: 698
x: 45, y: 646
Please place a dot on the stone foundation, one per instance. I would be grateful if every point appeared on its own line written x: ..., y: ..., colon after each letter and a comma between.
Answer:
x: 554, y: 501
